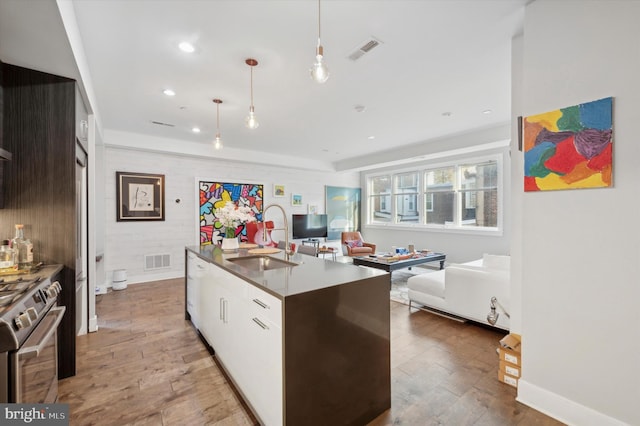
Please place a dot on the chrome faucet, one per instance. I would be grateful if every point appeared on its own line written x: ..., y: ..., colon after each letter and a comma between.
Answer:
x: 287, y: 249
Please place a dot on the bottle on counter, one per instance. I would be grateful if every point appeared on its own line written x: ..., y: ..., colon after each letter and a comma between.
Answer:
x: 7, y: 257
x: 23, y: 248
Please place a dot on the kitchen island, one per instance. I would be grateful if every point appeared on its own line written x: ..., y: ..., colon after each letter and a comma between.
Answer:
x: 304, y: 340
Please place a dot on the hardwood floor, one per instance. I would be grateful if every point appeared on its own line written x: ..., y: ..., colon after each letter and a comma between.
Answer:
x: 146, y: 366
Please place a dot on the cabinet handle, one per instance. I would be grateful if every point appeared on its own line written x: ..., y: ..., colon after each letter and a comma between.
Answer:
x: 224, y: 304
x: 261, y: 303
x: 221, y: 309
x: 260, y: 323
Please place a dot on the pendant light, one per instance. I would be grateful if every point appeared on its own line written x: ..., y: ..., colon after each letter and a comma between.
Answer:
x: 319, y: 71
x: 217, y: 144
x: 251, y: 122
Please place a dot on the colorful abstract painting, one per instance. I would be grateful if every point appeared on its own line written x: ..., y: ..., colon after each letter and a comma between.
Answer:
x: 569, y: 148
x: 216, y: 194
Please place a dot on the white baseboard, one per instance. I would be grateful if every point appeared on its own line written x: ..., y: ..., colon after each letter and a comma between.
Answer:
x: 139, y: 279
x: 93, y: 324
x: 561, y: 408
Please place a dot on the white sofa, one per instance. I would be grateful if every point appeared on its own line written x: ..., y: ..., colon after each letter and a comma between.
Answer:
x: 465, y: 290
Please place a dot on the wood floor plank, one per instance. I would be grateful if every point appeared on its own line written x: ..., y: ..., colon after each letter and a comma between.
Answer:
x: 146, y: 366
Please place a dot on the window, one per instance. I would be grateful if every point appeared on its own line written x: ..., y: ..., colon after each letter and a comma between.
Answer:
x: 380, y: 199
x: 439, y: 189
x: 479, y: 187
x: 460, y: 195
x: 406, y: 197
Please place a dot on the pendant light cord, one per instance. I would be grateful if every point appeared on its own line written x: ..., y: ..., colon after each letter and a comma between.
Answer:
x: 252, y: 87
x: 318, y: 22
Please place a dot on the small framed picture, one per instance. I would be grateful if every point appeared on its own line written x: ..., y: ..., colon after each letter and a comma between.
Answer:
x: 139, y: 196
x: 296, y: 199
x: 278, y: 190
x: 312, y: 209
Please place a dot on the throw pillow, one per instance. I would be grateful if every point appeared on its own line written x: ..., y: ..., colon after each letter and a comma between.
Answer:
x: 354, y: 243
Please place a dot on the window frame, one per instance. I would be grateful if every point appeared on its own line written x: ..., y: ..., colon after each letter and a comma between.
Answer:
x: 459, y: 192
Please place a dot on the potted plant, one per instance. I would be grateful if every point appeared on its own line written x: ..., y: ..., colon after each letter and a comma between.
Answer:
x: 231, y: 217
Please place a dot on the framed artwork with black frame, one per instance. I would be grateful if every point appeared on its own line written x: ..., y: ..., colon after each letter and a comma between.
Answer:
x: 139, y: 196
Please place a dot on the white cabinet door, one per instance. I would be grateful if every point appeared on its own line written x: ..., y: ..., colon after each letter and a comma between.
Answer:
x: 196, y: 272
x: 243, y: 325
x: 221, y: 306
x: 262, y: 373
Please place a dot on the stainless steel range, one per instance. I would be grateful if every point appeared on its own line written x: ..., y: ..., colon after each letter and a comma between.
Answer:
x: 29, y: 320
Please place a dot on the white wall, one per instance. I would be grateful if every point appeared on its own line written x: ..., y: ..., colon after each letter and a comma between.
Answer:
x: 580, y: 248
x: 126, y: 243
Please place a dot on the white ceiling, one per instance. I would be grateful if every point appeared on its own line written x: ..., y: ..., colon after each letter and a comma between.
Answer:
x: 436, y: 57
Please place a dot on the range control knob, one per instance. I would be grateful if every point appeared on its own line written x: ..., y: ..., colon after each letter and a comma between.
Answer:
x: 51, y: 292
x: 32, y: 313
x: 22, y: 321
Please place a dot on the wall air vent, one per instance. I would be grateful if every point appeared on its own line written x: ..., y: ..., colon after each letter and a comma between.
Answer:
x: 160, y: 123
x: 365, y: 47
x: 156, y: 261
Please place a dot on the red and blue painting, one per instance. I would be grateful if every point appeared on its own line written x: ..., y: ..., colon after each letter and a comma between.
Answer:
x: 569, y: 148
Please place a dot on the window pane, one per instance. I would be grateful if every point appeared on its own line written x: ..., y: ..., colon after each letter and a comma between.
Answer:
x: 381, y: 185
x: 380, y: 208
x: 407, y: 208
x: 407, y: 183
x: 439, y: 207
x: 406, y: 198
x: 480, y: 208
x: 440, y: 179
x: 479, y: 176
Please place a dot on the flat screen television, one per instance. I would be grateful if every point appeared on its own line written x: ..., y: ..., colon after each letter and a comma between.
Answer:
x: 309, y: 226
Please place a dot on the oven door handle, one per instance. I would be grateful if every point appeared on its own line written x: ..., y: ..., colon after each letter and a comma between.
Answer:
x: 34, y: 350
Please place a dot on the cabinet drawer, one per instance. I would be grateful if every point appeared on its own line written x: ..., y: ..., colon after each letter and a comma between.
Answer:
x: 264, y: 305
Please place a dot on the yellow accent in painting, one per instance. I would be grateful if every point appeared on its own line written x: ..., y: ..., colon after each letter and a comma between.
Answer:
x: 553, y: 181
x: 548, y: 120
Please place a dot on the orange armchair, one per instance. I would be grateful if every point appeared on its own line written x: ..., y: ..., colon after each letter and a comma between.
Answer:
x: 354, y: 248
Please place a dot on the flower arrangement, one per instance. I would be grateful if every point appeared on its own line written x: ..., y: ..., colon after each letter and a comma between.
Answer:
x: 231, y: 216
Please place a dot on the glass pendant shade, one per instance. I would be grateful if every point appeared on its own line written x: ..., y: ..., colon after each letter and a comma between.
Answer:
x: 217, y: 143
x: 319, y: 70
x: 251, y: 121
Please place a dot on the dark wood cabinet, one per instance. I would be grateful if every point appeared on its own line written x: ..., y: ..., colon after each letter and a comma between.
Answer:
x: 39, y: 129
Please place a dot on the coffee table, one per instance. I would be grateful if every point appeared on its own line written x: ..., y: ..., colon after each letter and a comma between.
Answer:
x: 380, y: 263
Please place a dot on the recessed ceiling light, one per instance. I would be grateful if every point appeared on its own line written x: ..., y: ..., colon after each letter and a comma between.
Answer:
x: 447, y: 113
x: 169, y: 92
x: 196, y: 130
x: 359, y: 108
x: 185, y: 46
x: 487, y: 111
x: 371, y: 137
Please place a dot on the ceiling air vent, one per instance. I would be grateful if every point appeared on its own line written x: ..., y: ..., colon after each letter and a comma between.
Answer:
x: 365, y: 47
x: 160, y: 123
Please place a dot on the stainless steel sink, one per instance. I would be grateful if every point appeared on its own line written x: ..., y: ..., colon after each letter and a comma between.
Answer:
x: 261, y: 263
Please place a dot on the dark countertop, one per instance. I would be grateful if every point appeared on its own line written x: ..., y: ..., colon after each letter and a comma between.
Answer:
x: 44, y: 272
x: 310, y: 274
